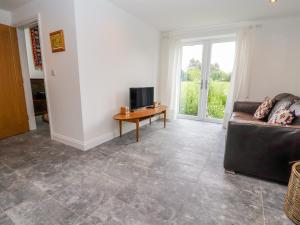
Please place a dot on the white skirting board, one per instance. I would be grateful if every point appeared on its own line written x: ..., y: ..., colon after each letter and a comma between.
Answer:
x: 68, y: 141
x: 87, y: 145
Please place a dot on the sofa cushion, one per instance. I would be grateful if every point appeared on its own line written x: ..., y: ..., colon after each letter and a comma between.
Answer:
x: 264, y: 109
x: 283, y: 117
x: 296, y: 107
x: 284, y: 103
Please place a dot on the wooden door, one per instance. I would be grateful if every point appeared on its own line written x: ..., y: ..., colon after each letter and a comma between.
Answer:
x: 13, y: 114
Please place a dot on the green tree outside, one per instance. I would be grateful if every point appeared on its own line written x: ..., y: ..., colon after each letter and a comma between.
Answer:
x: 219, y: 82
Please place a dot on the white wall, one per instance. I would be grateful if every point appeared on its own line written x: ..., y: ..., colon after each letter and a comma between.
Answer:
x: 116, y: 51
x: 276, y: 61
x: 274, y: 67
x: 5, y: 17
x: 33, y: 72
x: 63, y: 89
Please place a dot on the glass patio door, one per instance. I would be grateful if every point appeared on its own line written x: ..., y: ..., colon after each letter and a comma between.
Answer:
x: 190, y: 80
x: 219, y: 77
x: 205, y: 79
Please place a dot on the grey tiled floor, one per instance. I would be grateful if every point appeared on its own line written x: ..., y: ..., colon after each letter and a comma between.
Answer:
x: 173, y: 176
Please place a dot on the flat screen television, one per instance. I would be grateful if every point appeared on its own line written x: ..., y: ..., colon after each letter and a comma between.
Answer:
x: 141, y: 97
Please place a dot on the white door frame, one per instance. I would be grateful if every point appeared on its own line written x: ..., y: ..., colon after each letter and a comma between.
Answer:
x: 206, y: 61
x: 25, y: 70
x: 26, y: 78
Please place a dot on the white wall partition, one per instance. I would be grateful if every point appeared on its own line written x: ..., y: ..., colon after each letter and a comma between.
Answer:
x: 116, y: 51
x: 62, y: 87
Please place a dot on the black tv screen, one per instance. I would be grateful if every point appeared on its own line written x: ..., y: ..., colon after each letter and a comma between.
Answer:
x: 141, y: 97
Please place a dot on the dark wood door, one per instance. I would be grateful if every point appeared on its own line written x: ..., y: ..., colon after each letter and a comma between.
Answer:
x: 13, y: 114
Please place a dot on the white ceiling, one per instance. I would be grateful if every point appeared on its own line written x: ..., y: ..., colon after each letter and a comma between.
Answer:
x: 176, y: 14
x: 12, y: 4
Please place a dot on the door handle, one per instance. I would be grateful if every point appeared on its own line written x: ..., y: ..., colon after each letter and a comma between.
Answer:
x: 206, y: 84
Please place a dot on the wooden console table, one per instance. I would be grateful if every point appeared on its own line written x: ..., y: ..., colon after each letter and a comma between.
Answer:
x: 137, y: 116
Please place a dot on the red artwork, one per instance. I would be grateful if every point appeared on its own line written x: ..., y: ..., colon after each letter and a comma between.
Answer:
x: 36, y: 47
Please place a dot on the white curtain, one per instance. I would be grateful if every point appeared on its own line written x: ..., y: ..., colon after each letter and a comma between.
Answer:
x: 240, y: 80
x: 172, y: 68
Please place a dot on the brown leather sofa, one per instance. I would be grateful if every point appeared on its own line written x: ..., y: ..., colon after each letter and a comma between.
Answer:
x: 256, y: 148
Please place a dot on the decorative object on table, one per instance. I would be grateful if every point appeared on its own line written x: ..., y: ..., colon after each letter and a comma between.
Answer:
x: 57, y: 41
x: 264, y: 109
x: 292, y: 201
x: 124, y: 110
x: 155, y: 104
x: 36, y: 47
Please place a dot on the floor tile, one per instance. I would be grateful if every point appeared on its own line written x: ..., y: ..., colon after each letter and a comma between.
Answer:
x: 276, y: 217
x: 220, y: 206
x: 4, y: 170
x: 5, y: 220
x: 116, y: 212
x: 273, y: 195
x: 85, y: 195
x: 48, y: 212
x: 20, y: 191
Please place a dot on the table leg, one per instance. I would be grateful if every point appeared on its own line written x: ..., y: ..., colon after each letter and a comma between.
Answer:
x: 137, y: 123
x: 165, y: 119
x: 150, y: 120
x: 120, y: 126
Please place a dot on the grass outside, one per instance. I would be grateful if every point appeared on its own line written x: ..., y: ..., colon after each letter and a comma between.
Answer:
x: 217, y: 96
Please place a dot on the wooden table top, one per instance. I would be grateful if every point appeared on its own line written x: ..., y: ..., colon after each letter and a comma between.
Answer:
x: 140, y: 113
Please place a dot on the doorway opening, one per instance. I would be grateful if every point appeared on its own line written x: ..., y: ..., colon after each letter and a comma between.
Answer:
x: 206, y: 69
x: 33, y: 76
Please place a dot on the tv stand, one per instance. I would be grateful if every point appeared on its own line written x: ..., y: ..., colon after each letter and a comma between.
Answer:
x: 140, y: 115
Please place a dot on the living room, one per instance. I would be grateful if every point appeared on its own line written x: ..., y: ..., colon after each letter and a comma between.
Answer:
x: 210, y: 64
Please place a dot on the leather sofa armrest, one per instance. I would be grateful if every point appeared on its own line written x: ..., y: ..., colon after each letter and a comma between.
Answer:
x: 246, y: 107
x: 261, y: 149
x: 268, y: 127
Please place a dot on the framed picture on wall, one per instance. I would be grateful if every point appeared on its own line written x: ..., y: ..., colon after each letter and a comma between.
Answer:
x: 57, y: 41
